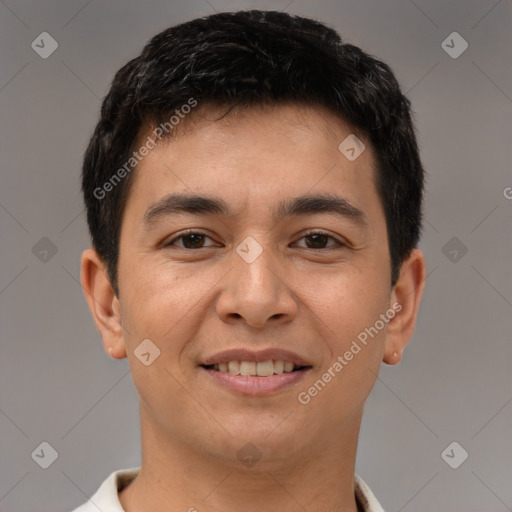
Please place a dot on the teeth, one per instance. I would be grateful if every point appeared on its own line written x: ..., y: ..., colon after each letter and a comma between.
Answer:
x: 247, y: 368
x: 288, y: 366
x: 279, y: 367
x: 265, y: 369
x: 233, y: 367
x: 261, y: 369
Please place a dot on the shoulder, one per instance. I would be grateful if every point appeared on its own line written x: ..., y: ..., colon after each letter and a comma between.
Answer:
x: 106, y: 498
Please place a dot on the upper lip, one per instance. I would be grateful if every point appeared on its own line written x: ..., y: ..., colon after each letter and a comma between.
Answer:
x: 275, y: 354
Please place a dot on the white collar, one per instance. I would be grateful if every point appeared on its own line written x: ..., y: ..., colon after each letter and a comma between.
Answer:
x: 106, y: 497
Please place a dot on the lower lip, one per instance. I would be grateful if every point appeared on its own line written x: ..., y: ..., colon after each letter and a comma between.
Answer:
x: 257, y: 386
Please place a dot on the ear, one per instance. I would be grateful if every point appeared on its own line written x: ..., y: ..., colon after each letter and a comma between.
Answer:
x: 103, y: 303
x: 407, y: 292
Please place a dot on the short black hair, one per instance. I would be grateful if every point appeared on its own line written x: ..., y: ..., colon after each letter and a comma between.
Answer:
x: 253, y: 58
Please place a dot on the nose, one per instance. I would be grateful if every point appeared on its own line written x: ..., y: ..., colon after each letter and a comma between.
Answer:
x: 258, y: 292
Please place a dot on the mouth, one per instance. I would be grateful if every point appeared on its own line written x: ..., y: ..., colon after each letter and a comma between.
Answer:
x: 256, y: 369
x: 261, y: 373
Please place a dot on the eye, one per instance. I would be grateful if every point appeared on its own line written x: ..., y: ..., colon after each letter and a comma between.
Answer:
x: 191, y: 240
x: 319, y: 238
x: 195, y: 240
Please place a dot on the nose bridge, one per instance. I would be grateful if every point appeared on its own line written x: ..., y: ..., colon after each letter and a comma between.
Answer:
x: 256, y: 290
x: 254, y: 264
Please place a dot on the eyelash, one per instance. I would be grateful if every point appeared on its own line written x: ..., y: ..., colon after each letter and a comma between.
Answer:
x: 310, y: 233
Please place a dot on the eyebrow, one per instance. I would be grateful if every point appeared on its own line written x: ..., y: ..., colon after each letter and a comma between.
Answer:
x: 177, y: 203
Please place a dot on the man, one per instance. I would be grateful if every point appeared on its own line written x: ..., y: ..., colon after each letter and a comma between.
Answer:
x: 253, y: 193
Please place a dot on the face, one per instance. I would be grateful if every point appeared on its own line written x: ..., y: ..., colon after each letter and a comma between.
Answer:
x: 259, y: 277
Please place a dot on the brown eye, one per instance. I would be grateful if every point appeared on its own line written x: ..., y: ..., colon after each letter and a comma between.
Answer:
x: 193, y: 241
x: 190, y: 240
x: 318, y: 240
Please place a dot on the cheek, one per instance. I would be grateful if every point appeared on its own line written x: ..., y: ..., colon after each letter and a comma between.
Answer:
x: 346, y: 302
x: 348, y: 306
x: 167, y: 305
x: 354, y: 335
x: 160, y: 305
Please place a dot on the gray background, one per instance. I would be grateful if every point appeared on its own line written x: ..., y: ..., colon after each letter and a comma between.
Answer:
x: 57, y: 384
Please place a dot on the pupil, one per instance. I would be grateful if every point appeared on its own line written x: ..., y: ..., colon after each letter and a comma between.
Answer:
x: 198, y: 238
x: 319, y: 239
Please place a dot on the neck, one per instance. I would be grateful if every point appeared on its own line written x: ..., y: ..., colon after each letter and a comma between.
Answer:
x: 176, y: 477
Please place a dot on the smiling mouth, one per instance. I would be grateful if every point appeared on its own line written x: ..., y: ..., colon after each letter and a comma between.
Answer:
x: 256, y: 369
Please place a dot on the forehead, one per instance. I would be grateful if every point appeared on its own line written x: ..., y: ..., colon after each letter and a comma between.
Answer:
x: 255, y: 155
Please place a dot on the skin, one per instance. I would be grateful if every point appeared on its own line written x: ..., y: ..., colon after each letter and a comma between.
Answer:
x: 296, y: 295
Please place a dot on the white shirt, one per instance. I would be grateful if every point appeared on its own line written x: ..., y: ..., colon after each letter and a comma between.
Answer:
x: 106, y: 498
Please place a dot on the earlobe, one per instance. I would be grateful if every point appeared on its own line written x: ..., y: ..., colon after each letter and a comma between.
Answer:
x: 395, y: 358
x: 103, y: 303
x: 407, y: 292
